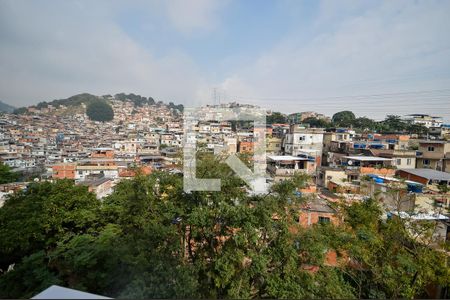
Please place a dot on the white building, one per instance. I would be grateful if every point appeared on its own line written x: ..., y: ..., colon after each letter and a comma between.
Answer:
x: 425, y: 120
x: 300, y: 139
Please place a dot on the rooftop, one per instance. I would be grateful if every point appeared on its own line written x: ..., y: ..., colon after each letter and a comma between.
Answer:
x: 285, y: 157
x: 429, y: 174
x: 318, y: 204
x: 367, y: 158
x: 94, y: 182
x: 421, y: 216
x: 432, y: 142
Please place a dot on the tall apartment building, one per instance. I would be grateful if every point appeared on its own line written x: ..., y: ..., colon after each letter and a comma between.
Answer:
x: 301, y: 140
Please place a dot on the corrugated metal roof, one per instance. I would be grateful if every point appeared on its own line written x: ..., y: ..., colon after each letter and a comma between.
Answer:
x: 429, y: 174
x: 367, y: 158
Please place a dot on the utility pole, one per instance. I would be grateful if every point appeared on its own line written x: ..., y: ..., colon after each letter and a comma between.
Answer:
x: 215, y: 96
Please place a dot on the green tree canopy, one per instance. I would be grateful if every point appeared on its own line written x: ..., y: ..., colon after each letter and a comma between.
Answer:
x: 343, y: 118
x: 100, y: 110
x: 276, y: 117
x: 7, y: 175
x: 318, y: 123
x: 42, y: 215
x: 137, y: 100
x: 393, y: 123
x: 150, y: 239
x: 365, y: 124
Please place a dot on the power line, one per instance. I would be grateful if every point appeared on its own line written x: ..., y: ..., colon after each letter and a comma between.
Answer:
x: 410, y: 93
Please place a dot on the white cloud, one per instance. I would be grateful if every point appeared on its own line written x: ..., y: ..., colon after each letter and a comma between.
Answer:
x: 194, y: 15
x: 54, y: 51
x: 392, y: 47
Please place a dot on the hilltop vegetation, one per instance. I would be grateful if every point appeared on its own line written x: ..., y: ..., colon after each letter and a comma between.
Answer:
x: 75, y: 100
x: 87, y: 99
x: 99, y: 110
x: 347, y: 119
x: 138, y: 100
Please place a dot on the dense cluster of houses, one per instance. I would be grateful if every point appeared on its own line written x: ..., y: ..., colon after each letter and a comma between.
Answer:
x: 344, y: 165
x: 409, y: 175
x: 62, y: 142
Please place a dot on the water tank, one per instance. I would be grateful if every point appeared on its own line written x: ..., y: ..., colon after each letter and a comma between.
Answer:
x: 378, y: 180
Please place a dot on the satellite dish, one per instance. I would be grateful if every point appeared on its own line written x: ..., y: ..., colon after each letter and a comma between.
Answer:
x: 350, y: 162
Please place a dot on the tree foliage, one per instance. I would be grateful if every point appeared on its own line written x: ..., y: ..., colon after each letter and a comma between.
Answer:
x: 42, y: 215
x: 100, y: 110
x: 150, y: 239
x: 343, y: 118
x: 178, y: 107
x: 317, y: 123
x: 20, y: 111
x: 137, y: 100
x: 276, y: 117
x: 89, y: 100
x: 391, y: 124
x: 74, y: 100
x: 7, y: 175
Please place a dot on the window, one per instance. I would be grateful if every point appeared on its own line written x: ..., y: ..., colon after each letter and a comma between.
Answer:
x: 324, y: 220
x: 430, y: 148
x: 408, y: 161
x: 399, y: 161
x: 426, y: 162
x: 302, y: 138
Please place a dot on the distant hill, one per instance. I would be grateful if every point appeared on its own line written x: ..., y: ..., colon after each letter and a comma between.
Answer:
x: 88, y: 99
x: 75, y: 100
x: 98, y: 108
x: 6, y: 107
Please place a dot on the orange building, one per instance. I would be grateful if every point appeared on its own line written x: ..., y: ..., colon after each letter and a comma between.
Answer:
x: 64, y: 171
x: 130, y: 173
x: 309, y: 189
x: 245, y: 147
x: 377, y: 171
x: 317, y: 211
x: 103, y: 153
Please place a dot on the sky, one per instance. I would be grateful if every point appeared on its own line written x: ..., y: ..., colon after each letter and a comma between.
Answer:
x: 372, y: 57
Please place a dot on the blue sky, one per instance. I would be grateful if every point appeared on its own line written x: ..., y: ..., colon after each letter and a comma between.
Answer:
x: 373, y: 57
x: 246, y: 29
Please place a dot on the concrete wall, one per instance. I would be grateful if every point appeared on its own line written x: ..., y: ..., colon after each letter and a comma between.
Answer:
x: 402, y: 162
x: 308, y: 218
